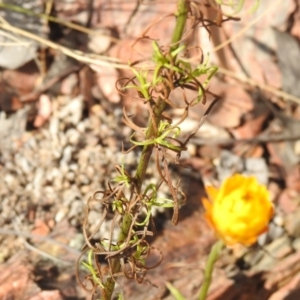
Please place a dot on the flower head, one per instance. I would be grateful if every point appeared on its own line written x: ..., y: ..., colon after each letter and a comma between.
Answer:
x: 239, y: 211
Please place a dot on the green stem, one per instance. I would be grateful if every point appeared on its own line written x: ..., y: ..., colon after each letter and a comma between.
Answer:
x: 212, y: 258
x: 181, y: 18
x: 147, y: 150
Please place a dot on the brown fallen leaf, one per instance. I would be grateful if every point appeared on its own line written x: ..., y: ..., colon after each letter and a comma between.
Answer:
x: 16, y: 281
x: 253, y: 124
x: 106, y: 78
x: 22, y: 81
x: 234, y: 105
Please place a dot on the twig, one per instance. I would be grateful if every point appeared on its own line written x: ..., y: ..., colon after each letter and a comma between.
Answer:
x: 40, y: 252
x: 95, y: 59
x: 28, y: 235
x: 53, y: 19
x: 16, y: 41
x: 45, y: 254
x: 260, y: 139
x: 262, y: 86
x: 133, y: 13
x: 192, y: 134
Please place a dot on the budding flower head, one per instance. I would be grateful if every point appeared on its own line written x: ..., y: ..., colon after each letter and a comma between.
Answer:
x: 239, y: 211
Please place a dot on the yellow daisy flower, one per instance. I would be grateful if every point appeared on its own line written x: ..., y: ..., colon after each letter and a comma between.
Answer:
x: 239, y: 211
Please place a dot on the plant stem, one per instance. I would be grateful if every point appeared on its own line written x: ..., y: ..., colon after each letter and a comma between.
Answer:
x: 181, y: 18
x: 180, y: 24
x: 212, y: 258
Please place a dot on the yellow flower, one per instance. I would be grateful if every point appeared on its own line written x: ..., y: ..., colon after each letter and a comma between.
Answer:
x: 239, y: 211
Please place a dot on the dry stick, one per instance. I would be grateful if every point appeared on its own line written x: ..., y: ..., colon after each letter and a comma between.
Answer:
x: 210, y: 107
x: 257, y: 140
x: 17, y: 42
x: 45, y: 254
x: 94, y: 59
x: 28, y: 235
x: 262, y: 86
x: 47, y: 17
x: 133, y: 13
x: 147, y: 150
x: 40, y: 252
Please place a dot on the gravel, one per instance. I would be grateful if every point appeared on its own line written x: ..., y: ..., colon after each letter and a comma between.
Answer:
x: 55, y: 169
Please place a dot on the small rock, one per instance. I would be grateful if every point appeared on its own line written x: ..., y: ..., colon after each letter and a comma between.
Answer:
x: 70, y: 176
x: 77, y: 207
x: 85, y: 189
x: 63, y: 141
x: 278, y: 220
x: 73, y: 167
x: 292, y: 224
x: 68, y: 84
x: 82, y: 179
x: 60, y: 214
x: 230, y: 163
x: 72, y: 112
x: 58, y: 181
x: 73, y: 136
x: 11, y: 181
x: 70, y: 195
x: 81, y: 127
x: 54, y: 127
x: 67, y: 156
x: 275, y: 231
x: 90, y: 172
x: 66, y: 184
x: 38, y: 179
x: 77, y: 241
x: 263, y: 239
x: 23, y: 164
x: 93, y: 217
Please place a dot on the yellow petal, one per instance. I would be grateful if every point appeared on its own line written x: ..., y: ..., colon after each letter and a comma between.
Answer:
x: 240, y: 211
x: 212, y: 192
x: 207, y: 204
x: 231, y: 183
